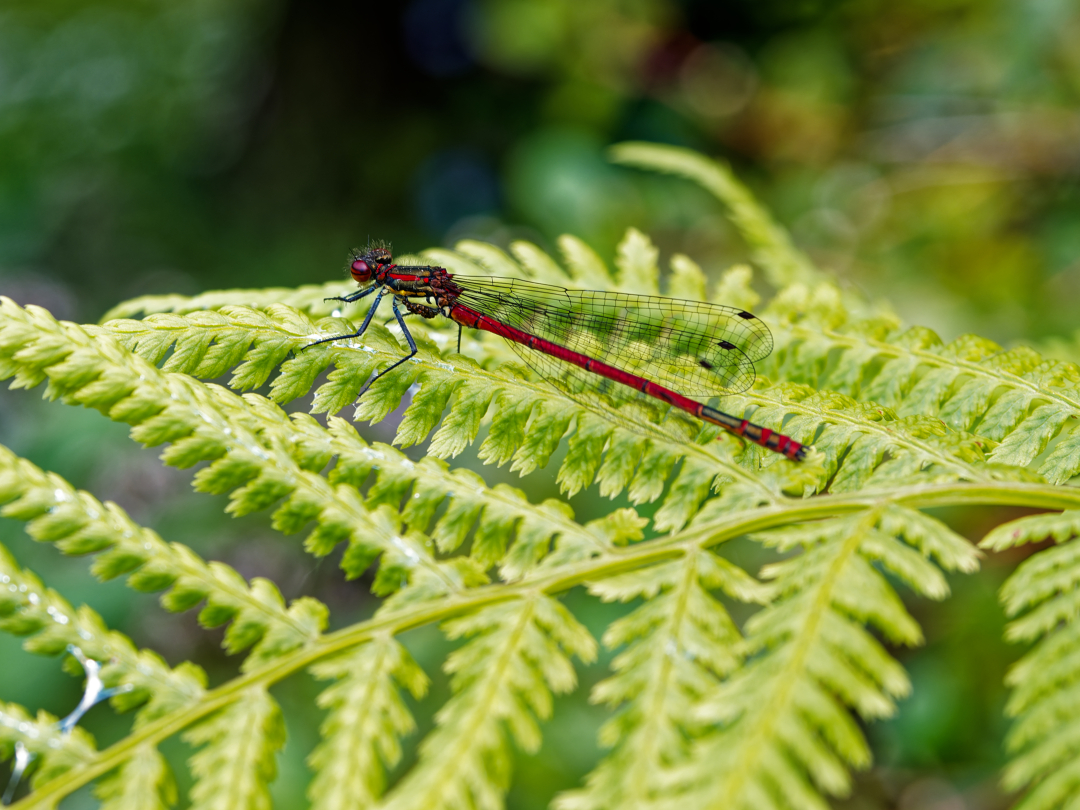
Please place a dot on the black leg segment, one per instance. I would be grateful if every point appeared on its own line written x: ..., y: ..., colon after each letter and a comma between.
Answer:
x: 408, y: 338
x: 356, y: 296
x: 363, y: 326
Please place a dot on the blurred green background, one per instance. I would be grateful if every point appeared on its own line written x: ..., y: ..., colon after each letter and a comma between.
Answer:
x: 926, y: 152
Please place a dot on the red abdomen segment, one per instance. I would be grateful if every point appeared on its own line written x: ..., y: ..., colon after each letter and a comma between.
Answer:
x: 772, y: 440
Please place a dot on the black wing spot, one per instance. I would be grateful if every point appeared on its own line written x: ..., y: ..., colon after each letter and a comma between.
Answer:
x: 747, y: 315
x: 723, y: 344
x: 705, y: 364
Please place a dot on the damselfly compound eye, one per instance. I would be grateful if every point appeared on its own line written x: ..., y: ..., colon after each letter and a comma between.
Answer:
x: 361, y: 270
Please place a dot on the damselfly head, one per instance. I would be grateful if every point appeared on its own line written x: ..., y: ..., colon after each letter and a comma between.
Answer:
x: 364, y: 264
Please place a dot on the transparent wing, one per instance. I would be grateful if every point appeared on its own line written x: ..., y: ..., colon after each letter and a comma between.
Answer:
x: 695, y: 349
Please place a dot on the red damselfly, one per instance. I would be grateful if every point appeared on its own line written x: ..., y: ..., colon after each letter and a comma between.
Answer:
x: 665, y: 348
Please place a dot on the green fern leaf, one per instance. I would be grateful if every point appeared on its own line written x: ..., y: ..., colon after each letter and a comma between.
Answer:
x: 310, y: 298
x: 688, y: 281
x: 492, y: 259
x: 679, y: 644
x: 783, y: 735
x: 258, y: 438
x: 361, y: 734
x: 52, y: 626
x: 704, y: 716
x: 1060, y: 526
x: 502, y: 680
x: 506, y: 433
x: 472, y: 393
x: 586, y: 268
x: 236, y: 763
x: 688, y: 490
x: 462, y: 424
x: 78, y: 523
x: 1044, y: 697
x: 143, y: 783
x: 1063, y: 462
x: 1031, y: 436
x: 537, y: 264
x: 636, y: 259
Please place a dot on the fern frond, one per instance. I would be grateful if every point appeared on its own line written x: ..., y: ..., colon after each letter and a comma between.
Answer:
x: 234, y: 768
x: 482, y: 257
x: 785, y: 736
x: 366, y: 721
x: 250, y: 441
x: 678, y: 645
x: 584, y: 266
x: 863, y: 443
x: 1015, y: 401
x: 310, y: 298
x: 502, y: 680
x: 78, y: 523
x: 1042, y: 596
x: 263, y: 457
x: 1060, y: 526
x: 705, y: 715
x: 636, y: 258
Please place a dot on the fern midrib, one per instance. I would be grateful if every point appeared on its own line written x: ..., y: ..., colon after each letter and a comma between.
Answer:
x: 805, y: 640
x: 617, y: 561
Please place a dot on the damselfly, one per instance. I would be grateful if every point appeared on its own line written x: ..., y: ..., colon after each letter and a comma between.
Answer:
x: 665, y: 348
